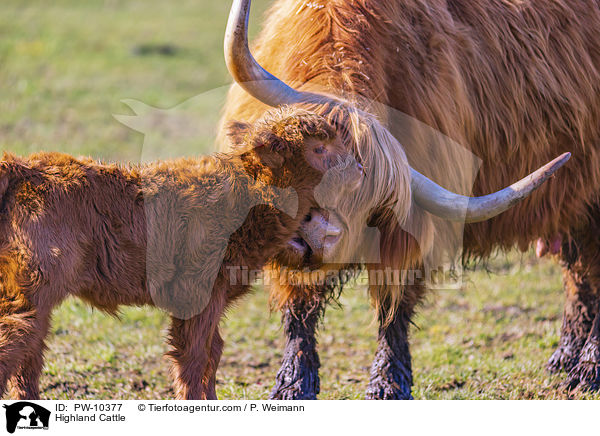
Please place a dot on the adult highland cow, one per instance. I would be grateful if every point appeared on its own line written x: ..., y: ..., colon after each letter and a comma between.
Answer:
x: 515, y: 82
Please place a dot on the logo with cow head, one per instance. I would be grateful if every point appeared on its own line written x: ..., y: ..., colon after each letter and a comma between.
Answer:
x: 25, y: 415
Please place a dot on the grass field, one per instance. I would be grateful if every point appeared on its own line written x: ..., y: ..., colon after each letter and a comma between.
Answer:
x: 65, y: 66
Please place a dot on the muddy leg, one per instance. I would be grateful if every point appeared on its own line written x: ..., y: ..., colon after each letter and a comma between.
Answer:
x: 391, y: 372
x: 580, y: 309
x: 298, y: 377
x: 577, y: 321
x: 586, y: 373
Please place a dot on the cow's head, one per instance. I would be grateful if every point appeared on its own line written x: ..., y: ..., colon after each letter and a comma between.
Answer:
x: 391, y: 190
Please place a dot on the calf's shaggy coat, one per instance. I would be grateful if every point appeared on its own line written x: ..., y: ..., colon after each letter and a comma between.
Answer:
x: 115, y: 235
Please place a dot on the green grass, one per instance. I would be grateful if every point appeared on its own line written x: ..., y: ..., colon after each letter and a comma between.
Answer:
x: 66, y: 65
x: 488, y: 340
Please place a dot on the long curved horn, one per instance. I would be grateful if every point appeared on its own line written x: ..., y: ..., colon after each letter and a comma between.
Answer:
x: 454, y: 207
x: 257, y: 81
x: 272, y: 91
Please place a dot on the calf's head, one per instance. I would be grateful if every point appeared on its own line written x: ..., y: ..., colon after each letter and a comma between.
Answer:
x: 292, y: 147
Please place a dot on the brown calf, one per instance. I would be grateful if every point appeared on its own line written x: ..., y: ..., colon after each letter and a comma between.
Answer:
x: 167, y: 234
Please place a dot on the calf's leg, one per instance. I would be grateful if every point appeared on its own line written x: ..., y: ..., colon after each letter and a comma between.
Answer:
x: 196, y: 351
x: 22, y: 332
x: 216, y: 350
x: 190, y: 340
x: 25, y: 383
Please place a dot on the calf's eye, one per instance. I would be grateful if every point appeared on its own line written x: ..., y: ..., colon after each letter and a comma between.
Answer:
x: 320, y: 149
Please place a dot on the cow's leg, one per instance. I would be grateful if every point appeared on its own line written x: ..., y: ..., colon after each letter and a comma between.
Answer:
x: 298, y: 377
x: 25, y: 383
x: 396, y: 292
x: 580, y: 304
x: 585, y: 375
x: 578, y: 315
x: 391, y: 372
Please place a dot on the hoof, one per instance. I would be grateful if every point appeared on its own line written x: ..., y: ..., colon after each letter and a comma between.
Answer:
x: 585, y: 375
x: 584, y: 378
x: 390, y: 381
x: 564, y: 359
x: 297, y: 379
x: 386, y: 391
x: 292, y: 393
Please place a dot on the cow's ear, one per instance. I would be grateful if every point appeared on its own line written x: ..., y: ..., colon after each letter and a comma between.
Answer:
x: 238, y: 132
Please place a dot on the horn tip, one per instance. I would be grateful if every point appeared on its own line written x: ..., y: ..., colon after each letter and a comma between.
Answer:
x: 562, y: 159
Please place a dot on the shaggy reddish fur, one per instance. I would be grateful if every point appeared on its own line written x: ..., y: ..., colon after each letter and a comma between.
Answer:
x: 496, y: 77
x: 517, y: 82
x: 76, y: 227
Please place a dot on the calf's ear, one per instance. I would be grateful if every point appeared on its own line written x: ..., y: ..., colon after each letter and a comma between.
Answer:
x: 262, y: 156
x: 268, y: 156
